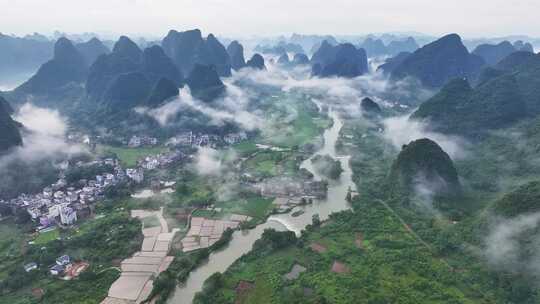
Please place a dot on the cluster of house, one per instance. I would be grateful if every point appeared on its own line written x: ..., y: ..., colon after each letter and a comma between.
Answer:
x: 199, y: 139
x: 140, y: 141
x: 161, y: 160
x: 59, y: 203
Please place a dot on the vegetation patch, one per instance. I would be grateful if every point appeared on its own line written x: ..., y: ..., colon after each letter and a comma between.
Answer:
x: 129, y: 156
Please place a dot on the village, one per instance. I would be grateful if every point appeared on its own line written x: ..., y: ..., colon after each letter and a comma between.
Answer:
x: 62, y: 204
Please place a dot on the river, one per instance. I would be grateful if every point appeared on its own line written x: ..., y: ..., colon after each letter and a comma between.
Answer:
x: 242, y: 241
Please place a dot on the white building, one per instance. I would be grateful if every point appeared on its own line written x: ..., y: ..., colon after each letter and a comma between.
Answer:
x: 54, y: 211
x: 68, y: 216
x: 136, y: 175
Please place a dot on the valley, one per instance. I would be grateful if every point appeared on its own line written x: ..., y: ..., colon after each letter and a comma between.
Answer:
x: 381, y: 168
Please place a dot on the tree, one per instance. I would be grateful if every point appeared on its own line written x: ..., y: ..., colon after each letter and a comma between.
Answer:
x: 315, y: 219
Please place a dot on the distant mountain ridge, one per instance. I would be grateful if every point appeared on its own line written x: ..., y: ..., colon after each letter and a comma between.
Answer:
x: 376, y: 47
x: 493, y: 54
x: 24, y: 54
x: 510, y: 93
x: 67, y: 66
x: 436, y: 63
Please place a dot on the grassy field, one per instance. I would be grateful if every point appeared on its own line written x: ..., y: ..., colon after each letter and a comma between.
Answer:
x: 45, y: 237
x: 245, y: 148
x: 129, y: 156
x: 302, y: 130
x: 256, y: 207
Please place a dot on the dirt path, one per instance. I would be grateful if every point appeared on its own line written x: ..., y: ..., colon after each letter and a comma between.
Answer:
x: 407, y: 227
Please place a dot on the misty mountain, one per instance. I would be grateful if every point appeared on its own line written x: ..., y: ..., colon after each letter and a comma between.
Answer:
x: 329, y: 39
x: 127, y: 91
x: 204, y: 83
x: 236, y: 53
x: 109, y: 77
x: 343, y: 60
x: 7, y: 107
x: 515, y: 60
x: 521, y: 46
x: 284, y: 59
x: 370, y: 107
x: 157, y: 65
x: 507, y: 96
x: 108, y: 67
x: 423, y: 164
x: 92, y: 49
x: 311, y: 42
x: 460, y: 109
x: 26, y: 54
x: 437, y: 62
x: 9, y: 129
x: 128, y: 49
x: 164, y: 90
x: 492, y: 54
x: 376, y: 47
x: 256, y: 62
x: 280, y: 48
x: 67, y: 66
x: 300, y: 59
x: 391, y: 63
x: 189, y: 48
x: 398, y: 46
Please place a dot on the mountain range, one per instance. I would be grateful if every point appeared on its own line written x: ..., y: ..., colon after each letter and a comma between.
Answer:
x: 508, y: 94
x: 436, y: 63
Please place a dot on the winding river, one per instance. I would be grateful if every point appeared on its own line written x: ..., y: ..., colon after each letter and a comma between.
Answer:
x: 242, y: 241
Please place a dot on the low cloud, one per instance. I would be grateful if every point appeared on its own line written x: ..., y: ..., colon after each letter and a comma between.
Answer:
x: 401, y: 130
x: 208, y: 161
x: 232, y: 107
x: 340, y: 91
x: 43, y: 135
x: 30, y: 167
x: 504, y: 245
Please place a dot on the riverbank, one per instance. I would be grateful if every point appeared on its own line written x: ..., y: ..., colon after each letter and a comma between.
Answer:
x: 242, y: 241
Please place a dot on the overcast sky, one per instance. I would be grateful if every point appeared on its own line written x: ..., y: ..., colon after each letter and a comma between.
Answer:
x: 470, y: 18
